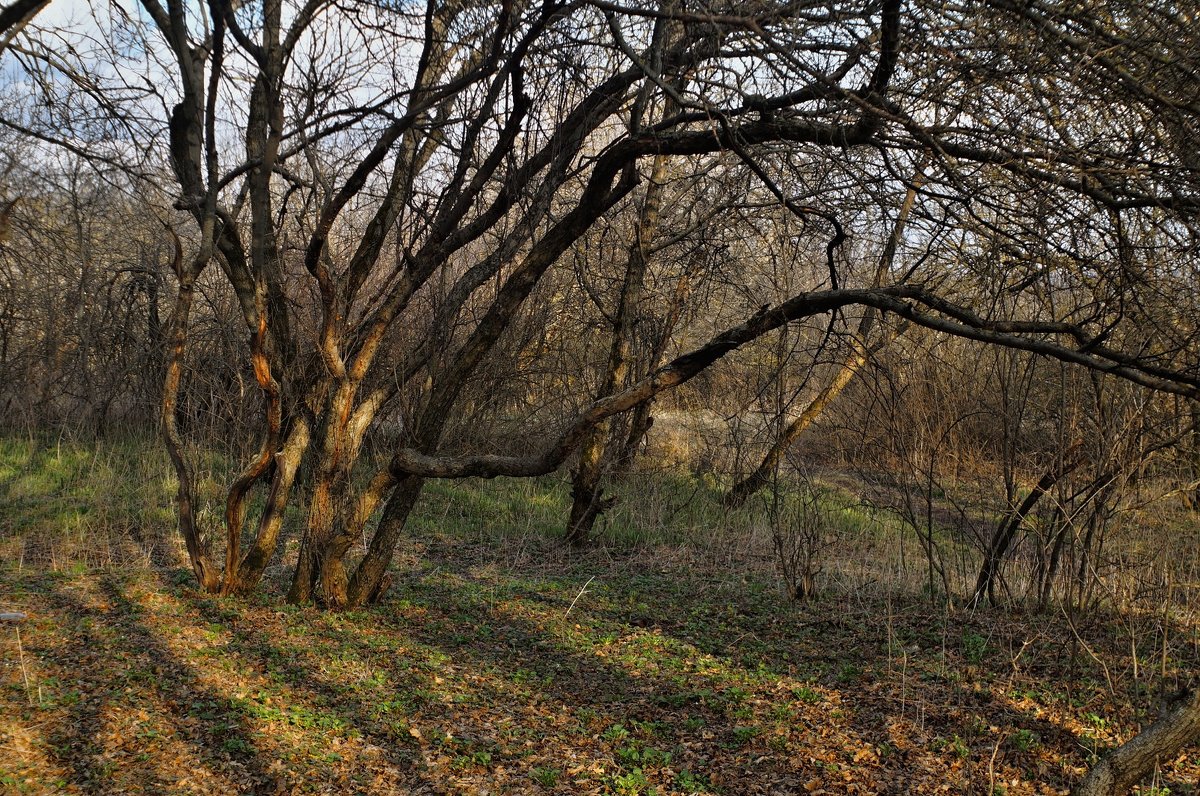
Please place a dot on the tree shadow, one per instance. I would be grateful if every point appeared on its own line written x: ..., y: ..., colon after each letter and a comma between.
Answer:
x: 522, y: 683
x: 312, y: 698
x: 459, y: 685
x: 513, y: 682
x: 118, y: 680
x: 975, y: 725
x: 397, y: 701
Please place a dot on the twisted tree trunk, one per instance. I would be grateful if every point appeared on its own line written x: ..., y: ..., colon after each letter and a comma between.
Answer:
x: 588, y: 501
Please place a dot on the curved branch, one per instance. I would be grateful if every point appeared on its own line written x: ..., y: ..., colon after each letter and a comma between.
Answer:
x: 14, y: 18
x: 910, y: 302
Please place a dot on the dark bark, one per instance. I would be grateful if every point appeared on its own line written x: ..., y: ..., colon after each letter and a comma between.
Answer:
x: 17, y: 15
x: 587, y: 498
x: 370, y: 579
x: 235, y: 503
x: 207, y: 575
x: 854, y: 361
x: 1191, y: 496
x: 6, y: 219
x: 1072, y: 459
x: 641, y: 418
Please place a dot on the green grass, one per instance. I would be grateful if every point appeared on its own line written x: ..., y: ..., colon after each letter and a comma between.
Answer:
x: 665, y: 680
x: 74, y: 504
x: 77, y: 504
x: 492, y: 508
x: 665, y: 508
x: 67, y: 503
x: 676, y: 670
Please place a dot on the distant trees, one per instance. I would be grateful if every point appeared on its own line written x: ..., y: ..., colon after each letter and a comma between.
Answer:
x: 865, y: 341
x: 81, y: 278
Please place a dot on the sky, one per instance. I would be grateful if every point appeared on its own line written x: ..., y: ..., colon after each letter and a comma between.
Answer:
x: 64, y: 13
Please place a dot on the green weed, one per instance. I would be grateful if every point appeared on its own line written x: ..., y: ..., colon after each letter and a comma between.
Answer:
x: 1024, y: 740
x: 546, y: 777
x: 632, y: 783
x: 974, y: 647
x: 808, y: 695
x: 615, y: 733
x: 689, y: 782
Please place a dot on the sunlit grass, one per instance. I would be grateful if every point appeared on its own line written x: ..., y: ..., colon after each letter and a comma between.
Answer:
x: 633, y: 653
x: 483, y: 678
x: 68, y: 503
x: 78, y: 504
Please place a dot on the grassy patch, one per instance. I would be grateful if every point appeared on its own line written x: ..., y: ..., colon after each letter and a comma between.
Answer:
x: 67, y: 504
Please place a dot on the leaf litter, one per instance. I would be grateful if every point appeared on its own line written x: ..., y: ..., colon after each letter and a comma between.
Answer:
x: 484, y: 675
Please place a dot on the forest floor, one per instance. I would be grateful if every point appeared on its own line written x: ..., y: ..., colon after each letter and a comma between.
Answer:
x: 544, y: 672
x: 662, y: 661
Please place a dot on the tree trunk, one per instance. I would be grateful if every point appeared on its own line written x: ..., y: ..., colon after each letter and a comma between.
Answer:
x: 741, y: 492
x: 287, y: 462
x: 16, y: 16
x: 207, y: 575
x: 1002, y: 538
x: 333, y: 513
x: 235, y: 503
x: 370, y: 579
x: 641, y: 418
x: 588, y: 501
x: 1134, y: 760
x: 1192, y: 496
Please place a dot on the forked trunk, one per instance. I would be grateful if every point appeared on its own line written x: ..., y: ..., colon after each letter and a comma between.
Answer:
x: 320, y: 575
x: 317, y: 535
x: 370, y: 580
x: 336, y: 516
x: 207, y: 576
x: 287, y: 462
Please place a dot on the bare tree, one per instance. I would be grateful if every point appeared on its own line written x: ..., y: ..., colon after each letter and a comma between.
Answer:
x: 862, y: 344
x: 383, y: 190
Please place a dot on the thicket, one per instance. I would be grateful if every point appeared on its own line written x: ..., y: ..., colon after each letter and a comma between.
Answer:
x: 942, y: 256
